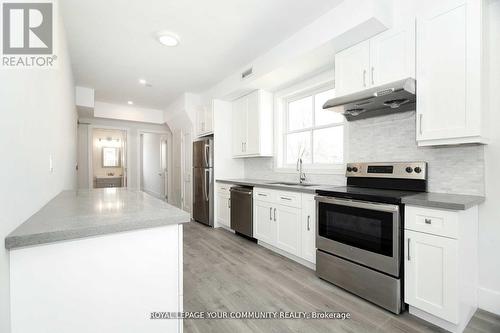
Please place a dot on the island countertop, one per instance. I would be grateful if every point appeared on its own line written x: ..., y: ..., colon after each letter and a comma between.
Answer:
x: 83, y: 213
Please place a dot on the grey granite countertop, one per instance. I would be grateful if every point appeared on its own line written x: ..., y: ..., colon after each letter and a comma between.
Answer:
x: 273, y: 184
x: 84, y: 213
x: 443, y: 200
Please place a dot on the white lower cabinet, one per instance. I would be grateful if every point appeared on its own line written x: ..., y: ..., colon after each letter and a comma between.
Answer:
x: 286, y: 220
x: 441, y: 265
x: 263, y: 222
x: 431, y: 276
x: 223, y: 205
x: 288, y: 226
x: 308, y: 228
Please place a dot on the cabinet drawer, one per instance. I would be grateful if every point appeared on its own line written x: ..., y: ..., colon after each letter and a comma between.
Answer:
x: 223, y: 188
x: 432, y: 221
x: 292, y: 199
x: 263, y: 194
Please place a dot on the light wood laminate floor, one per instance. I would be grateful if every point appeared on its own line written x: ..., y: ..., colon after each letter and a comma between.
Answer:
x: 225, y: 272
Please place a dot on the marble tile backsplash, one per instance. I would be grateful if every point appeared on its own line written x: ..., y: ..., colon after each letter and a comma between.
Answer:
x: 457, y: 169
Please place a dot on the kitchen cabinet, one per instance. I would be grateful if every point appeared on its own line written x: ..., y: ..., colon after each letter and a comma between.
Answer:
x: 308, y: 228
x: 284, y: 221
x: 223, y: 211
x: 450, y: 95
x: 440, y: 261
x: 204, y: 120
x: 252, y: 130
x: 264, y: 221
x: 387, y: 57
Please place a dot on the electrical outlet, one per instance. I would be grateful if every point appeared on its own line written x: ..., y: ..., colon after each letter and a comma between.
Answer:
x: 51, y: 164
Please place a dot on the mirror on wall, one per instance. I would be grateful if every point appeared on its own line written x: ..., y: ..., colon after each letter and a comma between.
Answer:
x: 111, y: 157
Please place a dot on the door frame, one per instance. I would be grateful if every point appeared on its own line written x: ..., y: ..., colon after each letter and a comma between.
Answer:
x: 183, y: 168
x: 90, y: 150
x: 168, y: 137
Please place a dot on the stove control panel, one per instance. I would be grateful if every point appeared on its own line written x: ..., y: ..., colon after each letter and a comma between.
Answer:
x: 402, y: 170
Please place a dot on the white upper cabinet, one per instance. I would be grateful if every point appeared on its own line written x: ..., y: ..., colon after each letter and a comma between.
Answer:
x: 204, y: 120
x: 449, y: 71
x: 252, y: 130
x: 392, y: 55
x: 351, y: 69
x: 387, y: 57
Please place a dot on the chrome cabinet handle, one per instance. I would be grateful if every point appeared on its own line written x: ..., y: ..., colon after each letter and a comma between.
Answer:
x: 229, y: 203
x: 262, y: 195
x: 373, y: 79
x: 270, y: 213
x: 308, y: 222
x: 364, y: 77
x: 428, y: 221
x: 408, y: 254
x: 420, y: 116
x: 285, y: 198
x: 274, y: 214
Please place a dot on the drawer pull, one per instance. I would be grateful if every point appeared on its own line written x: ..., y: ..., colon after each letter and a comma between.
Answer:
x: 285, y: 198
x: 428, y: 221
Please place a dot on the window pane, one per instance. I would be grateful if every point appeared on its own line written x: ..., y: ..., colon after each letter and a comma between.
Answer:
x: 297, y: 143
x: 329, y: 145
x: 325, y: 117
x: 300, y: 114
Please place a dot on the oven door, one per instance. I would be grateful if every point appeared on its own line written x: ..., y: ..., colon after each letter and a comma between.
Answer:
x: 367, y: 233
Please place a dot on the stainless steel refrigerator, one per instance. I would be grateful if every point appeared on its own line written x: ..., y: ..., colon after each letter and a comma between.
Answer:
x: 203, y: 181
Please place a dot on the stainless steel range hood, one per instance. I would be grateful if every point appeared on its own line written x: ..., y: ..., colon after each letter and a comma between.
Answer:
x: 393, y: 97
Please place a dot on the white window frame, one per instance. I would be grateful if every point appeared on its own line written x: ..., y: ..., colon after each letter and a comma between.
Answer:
x: 281, y: 131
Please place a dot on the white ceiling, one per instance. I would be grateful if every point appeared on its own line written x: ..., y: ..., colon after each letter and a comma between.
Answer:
x: 112, y: 42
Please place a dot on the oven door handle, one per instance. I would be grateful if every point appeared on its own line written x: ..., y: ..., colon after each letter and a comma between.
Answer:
x: 358, y: 204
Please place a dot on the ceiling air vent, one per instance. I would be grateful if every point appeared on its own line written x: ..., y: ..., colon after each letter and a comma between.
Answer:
x: 247, y: 73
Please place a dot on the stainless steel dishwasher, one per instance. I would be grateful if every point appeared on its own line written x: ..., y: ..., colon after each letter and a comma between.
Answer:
x: 242, y: 210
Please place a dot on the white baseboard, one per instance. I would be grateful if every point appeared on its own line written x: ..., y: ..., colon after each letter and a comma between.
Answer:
x: 489, y: 300
x: 154, y: 194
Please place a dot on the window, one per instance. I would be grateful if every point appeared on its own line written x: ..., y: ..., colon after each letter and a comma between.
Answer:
x: 310, y: 132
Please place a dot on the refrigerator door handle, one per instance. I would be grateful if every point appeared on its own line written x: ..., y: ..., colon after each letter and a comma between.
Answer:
x: 207, y: 184
x: 207, y: 155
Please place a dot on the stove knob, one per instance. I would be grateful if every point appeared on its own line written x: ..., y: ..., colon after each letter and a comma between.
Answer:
x: 418, y: 170
x: 349, y: 169
x: 354, y: 169
x: 410, y: 169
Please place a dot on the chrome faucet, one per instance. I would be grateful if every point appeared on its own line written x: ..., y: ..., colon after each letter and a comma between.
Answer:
x: 302, y: 175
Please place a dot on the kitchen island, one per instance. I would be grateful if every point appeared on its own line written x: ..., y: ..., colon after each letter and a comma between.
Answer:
x: 97, y: 261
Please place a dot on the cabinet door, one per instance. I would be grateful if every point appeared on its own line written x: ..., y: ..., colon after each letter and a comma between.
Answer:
x: 288, y: 233
x: 431, y: 274
x: 252, y: 141
x: 264, y: 222
x: 239, y: 125
x: 351, y: 69
x: 448, y: 71
x: 208, y: 118
x: 200, y: 121
x: 392, y: 55
x: 308, y: 228
x: 223, y: 212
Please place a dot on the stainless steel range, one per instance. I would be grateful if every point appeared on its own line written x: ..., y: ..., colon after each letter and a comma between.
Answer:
x: 360, y: 230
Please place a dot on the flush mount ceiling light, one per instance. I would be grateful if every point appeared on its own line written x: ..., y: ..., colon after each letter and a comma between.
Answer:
x: 168, y: 38
x: 130, y: 102
x: 142, y: 81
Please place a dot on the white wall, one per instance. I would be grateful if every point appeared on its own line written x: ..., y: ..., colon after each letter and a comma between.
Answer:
x: 152, y: 183
x: 133, y: 130
x: 128, y: 112
x: 37, y: 120
x: 489, y: 212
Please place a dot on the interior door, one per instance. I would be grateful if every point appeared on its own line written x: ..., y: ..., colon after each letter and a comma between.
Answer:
x: 351, y: 69
x: 164, y: 165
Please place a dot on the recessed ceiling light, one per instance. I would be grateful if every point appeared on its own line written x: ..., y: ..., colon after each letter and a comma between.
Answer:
x: 142, y: 81
x: 130, y: 102
x: 168, y: 38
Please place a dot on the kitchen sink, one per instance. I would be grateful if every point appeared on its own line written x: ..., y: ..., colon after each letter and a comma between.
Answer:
x: 293, y: 184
